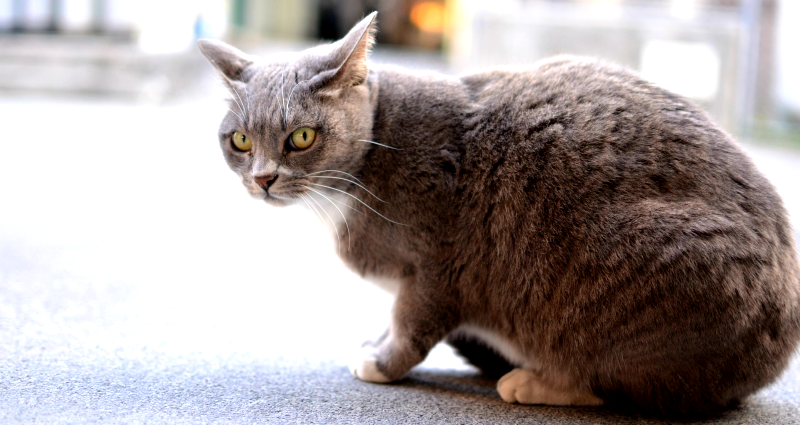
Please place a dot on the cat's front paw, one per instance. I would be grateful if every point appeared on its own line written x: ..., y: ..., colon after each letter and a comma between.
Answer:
x: 365, y: 367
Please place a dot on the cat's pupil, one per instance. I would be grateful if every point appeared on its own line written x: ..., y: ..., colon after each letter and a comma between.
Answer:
x: 304, y: 136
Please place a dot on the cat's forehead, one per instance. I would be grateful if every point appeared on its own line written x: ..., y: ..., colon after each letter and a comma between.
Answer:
x: 291, y: 67
x: 280, y: 67
x: 278, y: 92
x: 272, y: 99
x: 267, y: 74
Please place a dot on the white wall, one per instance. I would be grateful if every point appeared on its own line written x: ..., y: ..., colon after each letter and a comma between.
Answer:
x: 788, y: 55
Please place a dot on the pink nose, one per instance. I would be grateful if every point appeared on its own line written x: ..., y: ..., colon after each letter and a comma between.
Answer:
x: 265, y: 181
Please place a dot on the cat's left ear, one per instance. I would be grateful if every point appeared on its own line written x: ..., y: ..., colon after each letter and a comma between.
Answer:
x: 348, y: 60
x: 228, y: 60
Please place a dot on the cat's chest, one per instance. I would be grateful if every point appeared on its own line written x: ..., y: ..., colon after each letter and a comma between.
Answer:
x: 363, y: 246
x: 387, y: 283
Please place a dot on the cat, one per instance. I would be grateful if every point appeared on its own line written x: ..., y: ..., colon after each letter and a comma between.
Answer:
x: 594, y: 239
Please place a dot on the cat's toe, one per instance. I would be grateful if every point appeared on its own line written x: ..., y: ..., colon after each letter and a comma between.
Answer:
x: 365, y: 368
x: 512, y: 383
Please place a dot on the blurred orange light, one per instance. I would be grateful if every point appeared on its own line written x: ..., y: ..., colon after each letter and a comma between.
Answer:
x: 428, y: 16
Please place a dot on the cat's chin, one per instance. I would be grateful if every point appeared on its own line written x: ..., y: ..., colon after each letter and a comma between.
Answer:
x: 272, y: 199
x: 278, y: 201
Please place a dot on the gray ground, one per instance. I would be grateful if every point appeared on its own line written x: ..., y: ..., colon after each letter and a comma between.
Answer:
x: 139, y: 284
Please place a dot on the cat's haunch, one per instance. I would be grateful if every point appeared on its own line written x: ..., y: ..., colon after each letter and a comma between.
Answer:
x: 588, y: 235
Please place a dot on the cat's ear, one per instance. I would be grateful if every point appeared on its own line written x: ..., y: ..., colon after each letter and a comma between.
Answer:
x: 228, y: 60
x: 348, y: 60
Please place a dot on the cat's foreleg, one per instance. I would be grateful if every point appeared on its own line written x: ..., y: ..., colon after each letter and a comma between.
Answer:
x: 418, y: 323
x: 527, y: 387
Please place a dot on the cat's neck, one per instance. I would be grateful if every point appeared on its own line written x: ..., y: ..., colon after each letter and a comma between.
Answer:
x: 417, y: 107
x: 419, y: 124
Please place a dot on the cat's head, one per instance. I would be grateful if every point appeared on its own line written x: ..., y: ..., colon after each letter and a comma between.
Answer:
x: 297, y: 117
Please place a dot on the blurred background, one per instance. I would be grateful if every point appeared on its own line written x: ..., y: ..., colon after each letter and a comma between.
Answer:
x: 735, y: 57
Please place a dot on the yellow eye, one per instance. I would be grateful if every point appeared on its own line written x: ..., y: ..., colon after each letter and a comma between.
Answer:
x: 302, y: 138
x: 241, y: 142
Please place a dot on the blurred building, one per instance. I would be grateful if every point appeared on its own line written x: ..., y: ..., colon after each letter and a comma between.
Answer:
x: 718, y: 52
x: 123, y: 48
x: 732, y: 56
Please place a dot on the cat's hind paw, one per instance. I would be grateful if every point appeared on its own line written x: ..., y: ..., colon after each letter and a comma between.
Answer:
x: 524, y: 387
x: 365, y: 368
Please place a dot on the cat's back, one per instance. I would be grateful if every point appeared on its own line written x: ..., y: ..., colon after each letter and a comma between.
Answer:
x: 586, y: 152
x: 590, y: 137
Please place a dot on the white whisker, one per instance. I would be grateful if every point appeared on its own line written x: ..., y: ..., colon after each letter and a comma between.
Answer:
x: 379, y: 144
x: 342, y: 204
x: 337, y: 209
x: 362, y: 202
x: 334, y: 171
x: 237, y: 114
x: 229, y: 86
x: 245, y: 92
x: 347, y: 206
x: 241, y: 105
x: 312, y: 208
x: 303, y: 199
x: 289, y: 102
x: 335, y: 229
x: 361, y: 186
x: 283, y: 97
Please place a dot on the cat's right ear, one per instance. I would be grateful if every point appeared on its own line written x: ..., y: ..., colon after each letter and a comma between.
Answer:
x: 228, y: 60
x: 346, y: 64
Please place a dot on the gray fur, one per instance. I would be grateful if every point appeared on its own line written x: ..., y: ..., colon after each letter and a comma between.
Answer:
x: 604, y: 227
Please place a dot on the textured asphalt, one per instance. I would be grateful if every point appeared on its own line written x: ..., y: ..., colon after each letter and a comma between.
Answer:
x: 139, y: 284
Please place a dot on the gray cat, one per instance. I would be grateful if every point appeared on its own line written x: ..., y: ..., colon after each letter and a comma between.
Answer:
x: 594, y: 238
